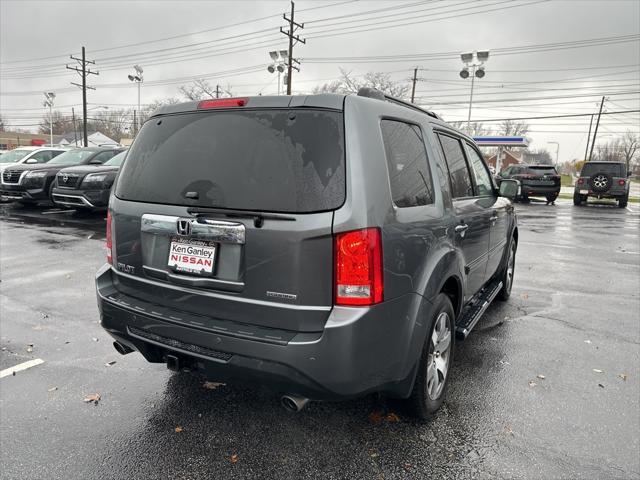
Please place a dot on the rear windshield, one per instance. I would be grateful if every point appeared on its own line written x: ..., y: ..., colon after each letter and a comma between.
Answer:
x: 266, y: 160
x: 613, y: 169
x: 542, y: 170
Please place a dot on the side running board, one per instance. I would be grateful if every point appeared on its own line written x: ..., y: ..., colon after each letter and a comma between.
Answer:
x: 474, y: 311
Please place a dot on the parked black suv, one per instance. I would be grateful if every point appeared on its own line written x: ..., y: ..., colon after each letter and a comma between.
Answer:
x: 326, y: 245
x: 87, y: 187
x: 602, y: 180
x: 33, y: 183
x: 535, y: 181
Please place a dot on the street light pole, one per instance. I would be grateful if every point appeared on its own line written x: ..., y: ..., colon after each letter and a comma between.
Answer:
x: 473, y: 79
x: 49, y: 96
x: 138, y: 78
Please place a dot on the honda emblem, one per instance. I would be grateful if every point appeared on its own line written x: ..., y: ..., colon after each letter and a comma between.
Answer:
x: 183, y: 227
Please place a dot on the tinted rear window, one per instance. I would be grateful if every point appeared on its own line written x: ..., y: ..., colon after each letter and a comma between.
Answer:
x: 542, y: 170
x: 266, y: 160
x: 613, y: 169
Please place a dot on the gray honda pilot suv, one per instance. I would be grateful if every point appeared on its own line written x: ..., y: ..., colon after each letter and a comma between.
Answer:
x: 327, y: 246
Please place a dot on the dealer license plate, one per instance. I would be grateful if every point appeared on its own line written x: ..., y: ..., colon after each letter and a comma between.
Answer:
x: 192, y: 256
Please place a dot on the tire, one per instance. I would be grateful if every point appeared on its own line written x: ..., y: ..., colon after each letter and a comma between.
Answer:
x: 507, y: 273
x: 432, y: 378
x: 524, y: 198
x: 623, y: 201
x: 552, y: 198
x: 577, y: 199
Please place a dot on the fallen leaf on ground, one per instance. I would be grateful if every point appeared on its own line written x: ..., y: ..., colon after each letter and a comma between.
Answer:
x: 587, y: 341
x: 601, y: 385
x: 532, y: 383
x: 623, y: 376
x: 541, y: 377
x: 525, y: 296
x: 93, y: 397
x: 392, y: 417
x: 29, y: 347
x: 178, y: 429
x: 108, y: 364
x: 234, y: 458
x: 52, y: 389
x: 502, y: 362
x: 375, y: 416
x: 212, y: 385
x: 597, y: 370
x: 94, y: 339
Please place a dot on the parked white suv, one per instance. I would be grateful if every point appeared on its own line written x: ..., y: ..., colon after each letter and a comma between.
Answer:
x: 29, y: 155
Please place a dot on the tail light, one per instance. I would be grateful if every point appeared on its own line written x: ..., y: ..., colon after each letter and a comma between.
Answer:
x: 581, y: 181
x: 621, y: 182
x: 358, y: 267
x: 109, y: 242
x: 222, y: 103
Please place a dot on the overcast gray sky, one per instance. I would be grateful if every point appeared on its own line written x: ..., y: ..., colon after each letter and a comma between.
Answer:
x: 228, y: 42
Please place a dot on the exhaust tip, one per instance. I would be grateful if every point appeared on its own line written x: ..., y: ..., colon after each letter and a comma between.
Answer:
x: 293, y: 403
x: 121, y: 348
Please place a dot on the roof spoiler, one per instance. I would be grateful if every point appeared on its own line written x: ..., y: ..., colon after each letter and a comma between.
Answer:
x: 380, y: 95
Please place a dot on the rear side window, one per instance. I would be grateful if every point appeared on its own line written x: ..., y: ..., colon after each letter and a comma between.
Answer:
x: 461, y: 185
x: 409, y: 173
x: 266, y: 160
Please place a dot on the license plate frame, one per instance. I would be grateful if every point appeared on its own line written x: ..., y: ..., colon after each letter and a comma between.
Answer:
x: 192, y: 256
x: 584, y: 192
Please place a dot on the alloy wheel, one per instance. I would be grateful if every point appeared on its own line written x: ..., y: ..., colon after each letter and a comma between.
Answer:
x: 439, y: 356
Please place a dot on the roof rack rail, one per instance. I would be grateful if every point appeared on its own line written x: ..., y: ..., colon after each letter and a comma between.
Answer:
x: 379, y: 95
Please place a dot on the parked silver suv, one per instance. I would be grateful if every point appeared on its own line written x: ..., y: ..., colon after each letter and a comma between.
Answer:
x: 326, y: 245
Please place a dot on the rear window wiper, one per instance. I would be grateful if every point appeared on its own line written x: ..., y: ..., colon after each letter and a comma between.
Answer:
x: 258, y: 217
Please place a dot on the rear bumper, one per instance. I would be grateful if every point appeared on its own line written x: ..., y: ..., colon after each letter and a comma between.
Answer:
x: 94, y: 199
x: 543, y: 191
x: 360, y: 350
x: 612, y: 193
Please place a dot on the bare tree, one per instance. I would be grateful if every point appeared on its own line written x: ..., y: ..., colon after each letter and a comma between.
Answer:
x: 200, y: 89
x: 629, y: 148
x: 113, y: 123
x: 476, y: 129
x: 61, y: 124
x: 349, y: 83
x: 538, y: 157
x: 608, y: 152
x: 153, y: 106
x: 513, y: 128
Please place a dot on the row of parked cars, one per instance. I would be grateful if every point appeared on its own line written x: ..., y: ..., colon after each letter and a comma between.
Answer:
x: 80, y: 177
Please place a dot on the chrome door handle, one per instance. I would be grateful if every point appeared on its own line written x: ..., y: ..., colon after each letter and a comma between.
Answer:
x: 461, y: 229
x: 494, y: 218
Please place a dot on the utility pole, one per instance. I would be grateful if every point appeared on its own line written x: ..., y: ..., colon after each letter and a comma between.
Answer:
x: 595, y: 132
x: 83, y: 72
x: 135, y: 124
x: 413, y: 88
x: 586, y: 149
x: 217, y: 91
x: 293, y: 39
x: 75, y: 130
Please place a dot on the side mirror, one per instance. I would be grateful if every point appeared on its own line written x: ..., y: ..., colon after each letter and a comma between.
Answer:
x: 95, y: 162
x: 31, y: 160
x: 509, y: 188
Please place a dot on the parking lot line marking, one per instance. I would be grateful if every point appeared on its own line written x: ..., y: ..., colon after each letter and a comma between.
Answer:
x: 49, y: 212
x: 21, y: 366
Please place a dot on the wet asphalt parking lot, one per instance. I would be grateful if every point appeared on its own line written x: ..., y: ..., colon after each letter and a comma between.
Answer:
x: 547, y: 385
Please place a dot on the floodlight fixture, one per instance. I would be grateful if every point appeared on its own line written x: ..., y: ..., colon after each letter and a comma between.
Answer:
x: 138, y: 69
x: 482, y: 55
x: 480, y: 72
x: 130, y: 77
x: 280, y: 67
x: 271, y: 69
x: 284, y: 54
x: 273, y: 55
x: 467, y: 57
x: 464, y: 73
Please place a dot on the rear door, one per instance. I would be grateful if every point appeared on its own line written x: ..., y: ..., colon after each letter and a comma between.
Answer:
x: 472, y: 215
x: 228, y: 214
